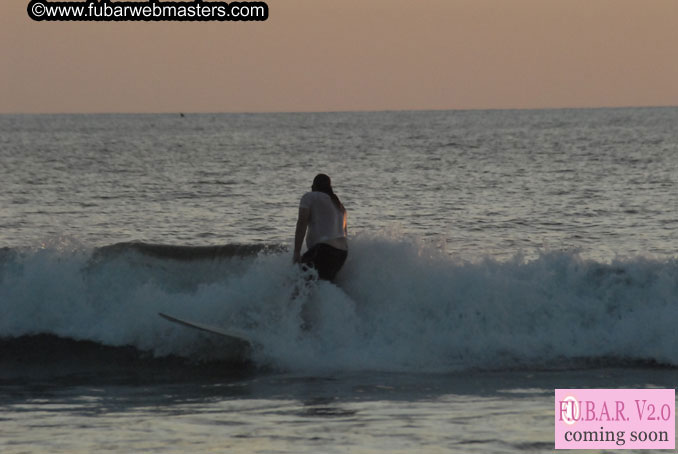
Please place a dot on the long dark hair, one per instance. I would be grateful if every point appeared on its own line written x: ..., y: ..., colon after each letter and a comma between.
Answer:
x: 322, y: 183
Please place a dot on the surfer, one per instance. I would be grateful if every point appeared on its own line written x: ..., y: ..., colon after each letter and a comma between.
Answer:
x: 322, y: 220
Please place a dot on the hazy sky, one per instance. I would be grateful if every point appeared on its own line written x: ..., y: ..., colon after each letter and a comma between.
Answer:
x: 322, y: 55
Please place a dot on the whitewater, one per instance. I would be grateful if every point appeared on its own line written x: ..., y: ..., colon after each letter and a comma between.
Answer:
x: 398, y: 305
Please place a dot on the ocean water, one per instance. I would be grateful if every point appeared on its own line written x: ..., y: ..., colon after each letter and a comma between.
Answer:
x: 494, y: 256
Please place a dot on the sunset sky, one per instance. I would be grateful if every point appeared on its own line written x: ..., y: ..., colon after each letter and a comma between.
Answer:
x: 315, y: 55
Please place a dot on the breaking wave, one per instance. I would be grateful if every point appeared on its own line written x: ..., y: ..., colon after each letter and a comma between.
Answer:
x: 398, y: 305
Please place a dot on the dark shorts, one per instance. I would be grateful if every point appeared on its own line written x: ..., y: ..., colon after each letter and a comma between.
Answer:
x: 326, y: 259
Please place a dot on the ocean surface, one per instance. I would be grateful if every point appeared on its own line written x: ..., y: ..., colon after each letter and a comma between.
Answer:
x: 494, y: 256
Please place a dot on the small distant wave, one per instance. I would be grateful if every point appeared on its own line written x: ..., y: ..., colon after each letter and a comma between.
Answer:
x: 188, y: 253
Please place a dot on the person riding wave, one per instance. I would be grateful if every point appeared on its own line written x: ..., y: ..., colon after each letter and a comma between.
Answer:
x: 322, y: 221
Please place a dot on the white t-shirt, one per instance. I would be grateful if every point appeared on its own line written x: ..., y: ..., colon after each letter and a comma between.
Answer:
x: 327, y: 222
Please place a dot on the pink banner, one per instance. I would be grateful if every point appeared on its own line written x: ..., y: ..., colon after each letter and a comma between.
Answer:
x: 615, y: 418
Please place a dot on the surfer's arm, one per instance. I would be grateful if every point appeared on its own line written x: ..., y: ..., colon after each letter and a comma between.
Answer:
x: 300, y: 233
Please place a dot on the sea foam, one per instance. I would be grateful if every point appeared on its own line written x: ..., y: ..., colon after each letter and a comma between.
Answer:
x: 398, y: 305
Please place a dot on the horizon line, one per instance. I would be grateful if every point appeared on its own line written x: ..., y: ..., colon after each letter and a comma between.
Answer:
x: 270, y: 112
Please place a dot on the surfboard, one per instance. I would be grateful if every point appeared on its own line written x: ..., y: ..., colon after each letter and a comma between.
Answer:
x: 232, y: 335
